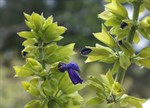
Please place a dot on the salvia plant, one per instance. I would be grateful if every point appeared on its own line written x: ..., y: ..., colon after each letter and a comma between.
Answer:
x: 54, y: 80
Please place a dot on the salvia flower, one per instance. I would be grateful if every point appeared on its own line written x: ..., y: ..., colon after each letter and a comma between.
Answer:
x: 25, y: 53
x: 85, y: 51
x: 123, y: 25
x: 72, y: 68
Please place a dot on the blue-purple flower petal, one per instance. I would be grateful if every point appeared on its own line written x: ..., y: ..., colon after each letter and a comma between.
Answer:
x: 62, y: 67
x: 73, y: 66
x: 74, y: 77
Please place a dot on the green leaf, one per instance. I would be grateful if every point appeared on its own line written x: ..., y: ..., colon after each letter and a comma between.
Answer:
x: 101, y: 53
x: 37, y: 21
x: 33, y: 104
x: 62, y: 53
x: 115, y: 67
x: 105, y: 37
x: 145, y: 62
x: 26, y: 34
x: 47, y: 22
x: 95, y: 100
x: 137, y: 102
x: 147, y: 4
x: 145, y: 52
x: 124, y: 61
x: 136, y: 38
x: 33, y: 64
x: 116, y: 8
x: 113, y: 21
x: 144, y: 33
x: 110, y: 77
x: 74, y: 88
x: 23, y: 71
x: 64, y: 82
x: 127, y: 48
x: 29, y: 42
x: 106, y: 15
x: 32, y: 89
x: 117, y: 89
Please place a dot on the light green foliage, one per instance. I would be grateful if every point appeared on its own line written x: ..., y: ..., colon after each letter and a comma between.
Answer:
x: 143, y: 58
x: 105, y: 37
x: 101, y: 53
x: 104, y: 86
x: 118, y: 33
x: 51, y: 88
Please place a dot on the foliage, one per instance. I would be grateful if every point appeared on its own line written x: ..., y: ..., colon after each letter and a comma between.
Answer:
x: 47, y: 63
x: 118, y: 34
x: 52, y: 88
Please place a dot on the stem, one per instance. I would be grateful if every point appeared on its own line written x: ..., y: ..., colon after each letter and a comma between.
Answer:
x: 120, y: 75
x: 41, y: 54
x: 136, y: 6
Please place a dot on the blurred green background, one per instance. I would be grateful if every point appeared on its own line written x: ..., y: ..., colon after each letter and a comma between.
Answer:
x: 80, y: 18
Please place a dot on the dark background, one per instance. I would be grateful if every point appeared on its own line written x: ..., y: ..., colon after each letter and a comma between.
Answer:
x: 80, y: 18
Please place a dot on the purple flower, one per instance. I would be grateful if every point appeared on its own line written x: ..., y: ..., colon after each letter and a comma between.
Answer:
x: 72, y: 68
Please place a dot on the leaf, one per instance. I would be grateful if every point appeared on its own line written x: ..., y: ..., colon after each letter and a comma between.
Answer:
x: 127, y: 48
x: 110, y: 77
x: 71, y: 89
x: 101, y: 53
x: 124, y: 61
x: 62, y: 53
x: 32, y: 89
x: 105, y: 37
x: 37, y: 21
x: 106, y: 15
x: 33, y: 64
x: 117, y: 89
x: 95, y: 100
x: 33, y: 104
x: 23, y: 71
x: 29, y: 42
x: 145, y: 62
x: 26, y: 34
x: 115, y: 67
x: 144, y: 33
x: 145, y: 52
x: 136, y: 38
x: 137, y: 102
x: 116, y: 8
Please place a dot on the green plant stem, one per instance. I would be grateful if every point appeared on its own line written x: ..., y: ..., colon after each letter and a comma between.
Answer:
x: 120, y: 75
x: 136, y: 6
x: 41, y: 55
